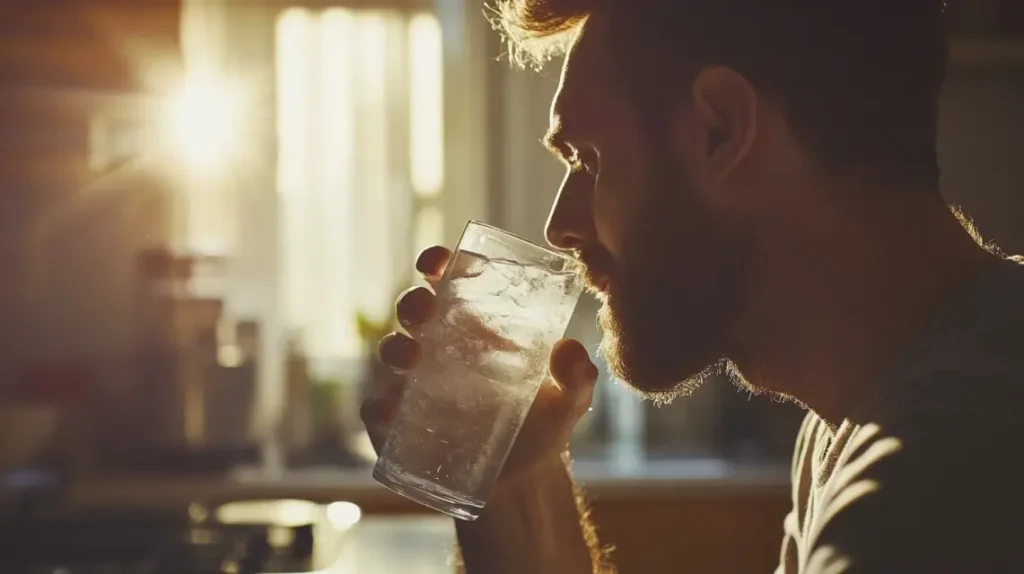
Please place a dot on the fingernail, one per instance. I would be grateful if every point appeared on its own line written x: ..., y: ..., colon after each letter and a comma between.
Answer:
x: 395, y: 349
x: 421, y: 263
x: 429, y: 260
x: 414, y: 307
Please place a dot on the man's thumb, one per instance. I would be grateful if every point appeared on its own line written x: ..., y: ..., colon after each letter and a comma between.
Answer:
x: 571, y: 367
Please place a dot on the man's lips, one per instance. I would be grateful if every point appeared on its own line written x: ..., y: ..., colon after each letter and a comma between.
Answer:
x: 597, y: 279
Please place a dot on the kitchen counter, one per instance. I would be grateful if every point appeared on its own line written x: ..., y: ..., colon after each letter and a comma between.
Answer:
x: 712, y: 515
x: 377, y: 545
x: 648, y: 480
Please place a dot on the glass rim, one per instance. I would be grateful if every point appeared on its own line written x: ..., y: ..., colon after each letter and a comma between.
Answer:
x: 561, y: 255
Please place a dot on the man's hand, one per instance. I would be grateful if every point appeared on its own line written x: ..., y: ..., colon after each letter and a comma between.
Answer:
x: 559, y: 404
x: 532, y: 523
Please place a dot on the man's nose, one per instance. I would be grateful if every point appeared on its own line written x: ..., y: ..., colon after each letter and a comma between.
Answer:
x: 571, y: 221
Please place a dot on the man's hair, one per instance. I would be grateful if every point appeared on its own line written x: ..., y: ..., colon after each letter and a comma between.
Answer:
x: 859, y: 80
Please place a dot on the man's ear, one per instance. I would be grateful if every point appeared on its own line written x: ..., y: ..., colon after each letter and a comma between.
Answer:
x: 724, y: 120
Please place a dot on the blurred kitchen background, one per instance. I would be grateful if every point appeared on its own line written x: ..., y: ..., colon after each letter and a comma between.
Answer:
x: 208, y: 208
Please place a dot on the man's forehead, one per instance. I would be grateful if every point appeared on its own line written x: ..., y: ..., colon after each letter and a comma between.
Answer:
x: 583, y: 74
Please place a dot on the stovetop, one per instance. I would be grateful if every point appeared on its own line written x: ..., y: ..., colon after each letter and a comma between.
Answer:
x: 134, y: 545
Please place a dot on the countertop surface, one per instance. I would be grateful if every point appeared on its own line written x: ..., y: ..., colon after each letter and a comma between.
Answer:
x: 410, y: 545
x: 683, y: 477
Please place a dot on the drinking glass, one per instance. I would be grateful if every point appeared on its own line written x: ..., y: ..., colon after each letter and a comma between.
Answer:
x: 501, y: 305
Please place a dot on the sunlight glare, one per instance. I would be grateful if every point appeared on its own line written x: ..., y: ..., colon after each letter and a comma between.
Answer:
x: 203, y: 122
x: 343, y: 515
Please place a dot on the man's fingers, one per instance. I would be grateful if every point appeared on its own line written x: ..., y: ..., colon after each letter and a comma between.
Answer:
x: 413, y: 307
x: 432, y: 262
x: 398, y: 351
x: 571, y: 366
x: 378, y: 415
x: 573, y: 371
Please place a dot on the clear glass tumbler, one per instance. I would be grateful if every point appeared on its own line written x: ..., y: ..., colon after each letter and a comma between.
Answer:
x: 502, y: 305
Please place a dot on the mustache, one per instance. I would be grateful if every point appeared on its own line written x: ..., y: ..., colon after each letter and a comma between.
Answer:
x: 598, y: 265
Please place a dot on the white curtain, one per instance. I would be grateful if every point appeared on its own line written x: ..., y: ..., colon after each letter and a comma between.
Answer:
x: 359, y: 164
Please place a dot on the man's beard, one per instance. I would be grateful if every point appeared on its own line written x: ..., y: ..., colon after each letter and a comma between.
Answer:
x: 674, y: 295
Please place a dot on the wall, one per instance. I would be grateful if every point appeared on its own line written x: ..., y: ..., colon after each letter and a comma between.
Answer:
x: 982, y: 143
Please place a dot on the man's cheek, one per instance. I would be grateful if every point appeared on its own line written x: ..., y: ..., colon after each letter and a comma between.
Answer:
x: 613, y: 214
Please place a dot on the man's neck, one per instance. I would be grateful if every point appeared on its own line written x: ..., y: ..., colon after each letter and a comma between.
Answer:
x: 846, y: 307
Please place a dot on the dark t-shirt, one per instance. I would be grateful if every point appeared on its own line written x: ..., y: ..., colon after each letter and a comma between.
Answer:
x: 927, y: 474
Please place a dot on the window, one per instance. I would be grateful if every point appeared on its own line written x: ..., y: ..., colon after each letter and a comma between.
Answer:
x: 309, y: 150
x: 360, y: 167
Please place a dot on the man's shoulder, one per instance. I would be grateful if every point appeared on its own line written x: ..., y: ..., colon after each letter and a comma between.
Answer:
x: 970, y: 367
x: 931, y: 486
x: 965, y: 424
x: 924, y: 475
